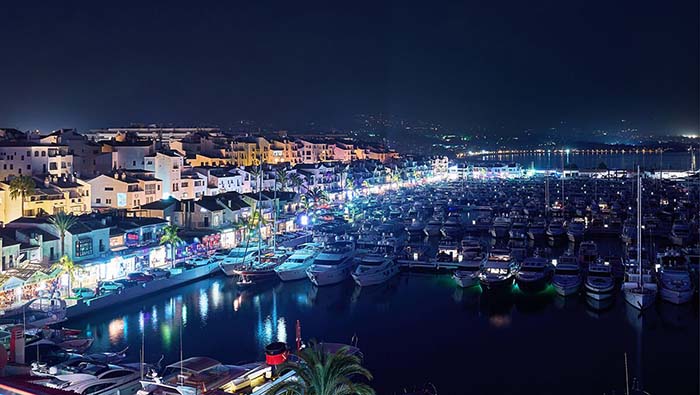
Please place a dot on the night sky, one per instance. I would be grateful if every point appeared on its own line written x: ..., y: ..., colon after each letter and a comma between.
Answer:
x: 520, y: 63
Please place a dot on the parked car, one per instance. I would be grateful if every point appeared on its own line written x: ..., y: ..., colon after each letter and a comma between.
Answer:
x: 139, y: 277
x: 158, y: 273
x: 184, y: 265
x: 84, y: 293
x: 104, y: 287
x: 199, y: 261
x: 126, y: 282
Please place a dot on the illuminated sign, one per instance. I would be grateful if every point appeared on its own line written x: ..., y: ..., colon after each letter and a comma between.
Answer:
x: 121, y: 199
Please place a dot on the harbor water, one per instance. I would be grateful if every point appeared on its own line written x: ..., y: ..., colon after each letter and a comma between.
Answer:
x: 421, y: 328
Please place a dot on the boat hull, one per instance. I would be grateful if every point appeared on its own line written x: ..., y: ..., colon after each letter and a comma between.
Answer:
x: 496, y: 285
x: 564, y: 288
x: 466, y: 281
x: 292, y: 274
x: 639, y: 298
x: 676, y: 297
x: 368, y: 279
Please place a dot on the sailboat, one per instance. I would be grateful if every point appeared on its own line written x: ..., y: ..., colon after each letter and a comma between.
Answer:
x: 639, y: 293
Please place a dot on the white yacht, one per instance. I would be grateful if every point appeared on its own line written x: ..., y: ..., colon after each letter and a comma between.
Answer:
x: 195, y: 376
x: 498, y: 271
x: 294, y: 268
x: 567, y: 277
x: 468, y: 274
x: 239, y: 257
x: 639, y: 288
x: 89, y: 377
x: 675, y: 281
x: 333, y: 264
x: 599, y: 282
x: 375, y: 269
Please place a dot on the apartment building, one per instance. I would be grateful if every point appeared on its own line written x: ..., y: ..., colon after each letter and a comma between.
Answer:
x: 167, y: 167
x: 32, y: 158
x: 125, y: 191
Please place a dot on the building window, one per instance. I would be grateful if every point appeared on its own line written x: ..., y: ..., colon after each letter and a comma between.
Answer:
x: 29, y: 167
x: 83, y: 247
x: 43, y: 153
x: 102, y: 246
x: 12, y: 166
x: 98, y: 200
x: 36, y: 153
x: 133, y: 163
x: 52, y: 166
x: 109, y: 188
x: 108, y: 201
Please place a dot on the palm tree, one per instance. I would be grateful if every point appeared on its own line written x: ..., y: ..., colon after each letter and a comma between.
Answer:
x: 62, y: 222
x: 66, y: 265
x: 296, y: 181
x: 317, y: 195
x: 255, y: 175
x: 281, y: 178
x: 20, y: 187
x: 170, y: 238
x: 322, y: 373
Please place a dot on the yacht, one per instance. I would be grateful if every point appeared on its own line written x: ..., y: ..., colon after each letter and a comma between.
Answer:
x: 468, y: 273
x: 432, y: 228
x: 639, y: 288
x: 576, y: 230
x: 567, y: 277
x: 294, y: 268
x: 599, y: 282
x: 674, y: 278
x: 333, y: 264
x: 680, y: 233
x: 534, y: 274
x: 587, y: 252
x: 555, y: 229
x: 498, y: 270
x: 500, y: 227
x: 518, y: 231
x: 452, y: 228
x: 239, y: 257
x: 193, y: 376
x: 375, y: 269
x: 415, y: 228
x: 537, y: 229
x: 39, y: 312
x: 89, y: 377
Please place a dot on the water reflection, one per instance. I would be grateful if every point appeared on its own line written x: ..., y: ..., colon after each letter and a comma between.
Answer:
x: 233, y: 325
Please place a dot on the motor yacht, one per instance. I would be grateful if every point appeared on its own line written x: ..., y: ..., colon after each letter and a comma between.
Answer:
x: 194, y: 376
x: 555, y: 229
x: 500, y: 227
x: 599, y: 282
x: 576, y: 229
x: 518, y: 231
x: 452, y: 228
x: 92, y: 378
x: 375, y: 269
x: 674, y: 279
x: 432, y: 228
x: 534, y: 274
x: 537, y: 229
x: 498, y: 270
x: 567, y: 278
x: 333, y: 264
x: 680, y: 233
x: 587, y: 252
x: 294, y: 267
x: 240, y: 257
x: 468, y: 273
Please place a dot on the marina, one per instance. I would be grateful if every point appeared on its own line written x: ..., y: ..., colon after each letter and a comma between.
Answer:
x: 504, y: 261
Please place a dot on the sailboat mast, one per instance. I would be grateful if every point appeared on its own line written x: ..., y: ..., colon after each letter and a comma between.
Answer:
x: 639, y: 225
x: 260, y: 214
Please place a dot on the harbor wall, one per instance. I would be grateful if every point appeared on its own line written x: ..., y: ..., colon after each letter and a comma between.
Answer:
x: 143, y: 290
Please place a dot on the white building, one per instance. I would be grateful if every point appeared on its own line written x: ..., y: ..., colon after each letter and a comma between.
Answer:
x: 167, y: 167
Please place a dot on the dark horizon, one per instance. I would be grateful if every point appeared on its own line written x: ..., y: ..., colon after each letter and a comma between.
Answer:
x: 509, y: 67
